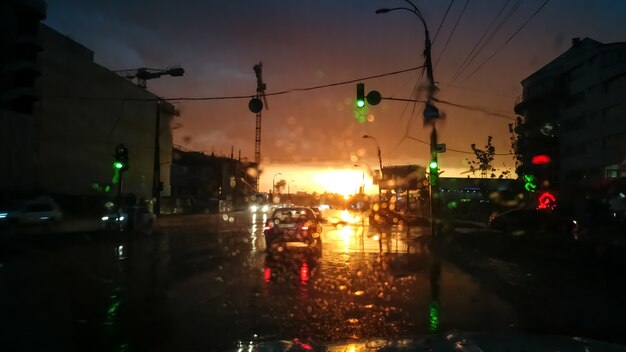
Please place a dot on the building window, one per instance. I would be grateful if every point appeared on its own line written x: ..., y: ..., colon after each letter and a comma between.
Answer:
x: 573, y: 124
x: 577, y: 72
x: 574, y: 150
x: 614, y: 142
x: 609, y: 57
x: 614, y: 84
x: 613, y: 171
x: 575, y: 99
x: 592, y: 90
x: 575, y: 175
x: 613, y: 113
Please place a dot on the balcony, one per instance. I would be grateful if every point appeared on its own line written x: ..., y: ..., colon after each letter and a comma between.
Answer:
x: 555, y: 93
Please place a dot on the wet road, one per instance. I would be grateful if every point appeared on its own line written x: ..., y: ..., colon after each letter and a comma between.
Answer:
x: 203, y: 282
x: 206, y: 281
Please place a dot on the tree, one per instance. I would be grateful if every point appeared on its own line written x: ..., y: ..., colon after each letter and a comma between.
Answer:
x: 280, y: 185
x: 516, y: 130
x: 484, y: 161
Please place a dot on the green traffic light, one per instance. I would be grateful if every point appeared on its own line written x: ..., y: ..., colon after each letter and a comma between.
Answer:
x: 360, y: 103
x: 433, y: 165
x: 118, y: 165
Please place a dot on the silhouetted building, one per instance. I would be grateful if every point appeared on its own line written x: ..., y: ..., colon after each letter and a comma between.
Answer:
x: 85, y: 110
x: 20, y: 44
x: 200, y: 181
x: 574, y: 111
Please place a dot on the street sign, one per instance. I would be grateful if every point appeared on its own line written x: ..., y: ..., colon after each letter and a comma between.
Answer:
x: 441, y: 148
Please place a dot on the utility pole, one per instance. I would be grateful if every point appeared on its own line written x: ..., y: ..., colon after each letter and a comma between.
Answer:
x: 156, y: 172
x: 431, y: 114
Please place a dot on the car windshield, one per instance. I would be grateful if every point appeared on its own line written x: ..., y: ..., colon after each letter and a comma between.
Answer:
x: 289, y: 215
x: 209, y: 175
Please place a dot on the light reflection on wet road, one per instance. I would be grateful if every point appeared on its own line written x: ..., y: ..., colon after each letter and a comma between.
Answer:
x: 208, y: 281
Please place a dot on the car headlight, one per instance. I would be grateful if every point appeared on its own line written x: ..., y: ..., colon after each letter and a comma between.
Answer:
x: 3, y: 215
x: 254, y: 208
x: 105, y: 218
x: 265, y: 208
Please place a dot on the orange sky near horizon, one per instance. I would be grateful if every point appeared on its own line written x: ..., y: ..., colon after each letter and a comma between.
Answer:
x: 344, y: 180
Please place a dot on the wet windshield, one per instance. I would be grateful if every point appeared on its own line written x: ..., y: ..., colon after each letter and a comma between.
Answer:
x: 219, y: 175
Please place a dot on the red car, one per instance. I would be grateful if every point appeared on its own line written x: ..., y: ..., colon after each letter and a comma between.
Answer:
x: 293, y: 224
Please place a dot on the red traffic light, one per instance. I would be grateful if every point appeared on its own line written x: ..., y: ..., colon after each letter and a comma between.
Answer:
x: 546, y: 201
x: 541, y: 159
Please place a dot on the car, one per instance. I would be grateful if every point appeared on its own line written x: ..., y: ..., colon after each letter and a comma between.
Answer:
x: 522, y: 220
x: 41, y: 210
x: 120, y: 220
x: 259, y: 208
x: 293, y: 224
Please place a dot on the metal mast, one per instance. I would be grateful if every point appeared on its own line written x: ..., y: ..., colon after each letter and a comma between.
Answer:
x: 260, y: 92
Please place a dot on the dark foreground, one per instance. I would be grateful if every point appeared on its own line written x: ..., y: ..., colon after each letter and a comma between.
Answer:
x: 205, y: 282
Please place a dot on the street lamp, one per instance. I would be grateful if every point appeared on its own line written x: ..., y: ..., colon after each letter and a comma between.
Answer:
x: 362, y: 178
x: 380, y: 161
x: 429, y: 66
x: 274, y: 182
x: 430, y: 114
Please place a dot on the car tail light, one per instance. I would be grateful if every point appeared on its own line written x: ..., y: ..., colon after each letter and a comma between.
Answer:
x: 267, y: 275
x: 305, y: 228
x: 304, y: 272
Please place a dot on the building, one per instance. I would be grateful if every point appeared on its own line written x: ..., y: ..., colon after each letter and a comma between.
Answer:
x: 84, y: 111
x: 202, y: 182
x: 20, y: 45
x: 573, y: 110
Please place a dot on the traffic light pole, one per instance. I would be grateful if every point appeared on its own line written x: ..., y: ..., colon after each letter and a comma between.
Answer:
x: 119, y: 192
x: 434, y: 184
x: 156, y: 193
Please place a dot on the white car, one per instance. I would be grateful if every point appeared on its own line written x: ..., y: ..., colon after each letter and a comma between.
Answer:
x: 43, y: 210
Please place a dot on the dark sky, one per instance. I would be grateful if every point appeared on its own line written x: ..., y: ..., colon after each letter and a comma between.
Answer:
x: 306, y: 43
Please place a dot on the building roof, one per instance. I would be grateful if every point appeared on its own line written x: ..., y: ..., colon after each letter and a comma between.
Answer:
x: 578, y: 46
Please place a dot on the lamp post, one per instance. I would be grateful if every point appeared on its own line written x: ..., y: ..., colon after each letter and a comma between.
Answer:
x: 380, y: 162
x: 430, y: 114
x: 362, y: 179
x: 274, y: 182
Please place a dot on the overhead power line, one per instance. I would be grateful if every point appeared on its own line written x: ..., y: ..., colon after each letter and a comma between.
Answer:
x: 476, y: 108
x: 445, y: 46
x: 233, y: 97
x: 465, y: 61
x: 508, y: 39
x: 442, y: 21
x: 493, y: 33
x: 451, y: 149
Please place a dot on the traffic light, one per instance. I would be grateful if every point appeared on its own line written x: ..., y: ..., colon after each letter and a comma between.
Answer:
x: 541, y: 159
x: 121, y: 158
x: 433, y: 165
x: 530, y: 183
x: 546, y: 201
x: 360, y: 95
